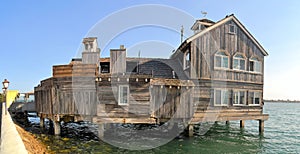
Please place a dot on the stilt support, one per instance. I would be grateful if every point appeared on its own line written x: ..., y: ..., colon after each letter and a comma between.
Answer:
x: 56, y: 127
x: 191, y: 130
x: 227, y: 122
x: 101, y: 130
x: 261, y: 126
x: 242, y: 123
x: 42, y: 122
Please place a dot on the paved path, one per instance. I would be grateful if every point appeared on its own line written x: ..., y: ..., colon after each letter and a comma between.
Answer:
x: 11, y: 142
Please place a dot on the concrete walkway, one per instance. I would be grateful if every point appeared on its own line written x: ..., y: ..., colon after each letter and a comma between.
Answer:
x: 11, y: 142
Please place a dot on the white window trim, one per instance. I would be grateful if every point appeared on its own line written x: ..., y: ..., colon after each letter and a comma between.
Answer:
x: 245, y: 98
x: 119, y: 95
x: 234, y: 29
x: 185, y: 66
x: 222, y: 94
x: 239, y: 59
x: 255, y: 65
x: 222, y: 68
x: 254, y: 94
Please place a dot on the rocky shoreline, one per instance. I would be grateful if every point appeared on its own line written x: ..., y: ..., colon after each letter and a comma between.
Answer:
x: 32, y: 144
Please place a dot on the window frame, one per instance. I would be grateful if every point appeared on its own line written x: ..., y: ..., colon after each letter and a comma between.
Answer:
x: 120, y: 89
x: 102, y: 64
x: 239, y: 62
x: 223, y: 91
x: 255, y: 95
x: 185, y: 65
x: 239, y: 96
x: 234, y: 28
x: 256, y: 63
x: 222, y: 56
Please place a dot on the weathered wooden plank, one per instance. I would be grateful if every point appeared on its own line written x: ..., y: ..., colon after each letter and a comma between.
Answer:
x: 232, y: 118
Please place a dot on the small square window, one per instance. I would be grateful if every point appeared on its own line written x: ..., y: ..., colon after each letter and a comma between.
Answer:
x: 232, y: 29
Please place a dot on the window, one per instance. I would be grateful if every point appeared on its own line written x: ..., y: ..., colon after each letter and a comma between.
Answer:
x: 104, y: 67
x: 187, y: 60
x: 239, y: 62
x: 123, y: 95
x: 239, y: 98
x: 221, y: 60
x: 232, y: 29
x: 254, y: 98
x: 221, y: 97
x: 86, y: 46
x: 255, y: 65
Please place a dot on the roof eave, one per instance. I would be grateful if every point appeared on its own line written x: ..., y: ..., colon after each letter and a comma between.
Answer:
x: 231, y: 17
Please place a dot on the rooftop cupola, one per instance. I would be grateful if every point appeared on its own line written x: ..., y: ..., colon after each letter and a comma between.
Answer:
x: 91, y: 52
x: 201, y: 24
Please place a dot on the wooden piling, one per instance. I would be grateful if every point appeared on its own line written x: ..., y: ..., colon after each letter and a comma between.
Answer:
x: 42, y: 122
x: 101, y: 130
x: 261, y: 126
x: 57, y: 130
x: 191, y: 130
x: 227, y: 122
x: 242, y: 123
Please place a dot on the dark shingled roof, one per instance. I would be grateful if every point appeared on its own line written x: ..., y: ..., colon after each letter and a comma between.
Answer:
x: 207, y: 21
x: 159, y: 68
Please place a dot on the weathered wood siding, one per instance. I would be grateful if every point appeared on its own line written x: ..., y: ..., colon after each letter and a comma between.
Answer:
x: 205, y: 46
x: 172, y: 102
x: 118, y: 61
x: 139, y: 98
x: 71, y: 91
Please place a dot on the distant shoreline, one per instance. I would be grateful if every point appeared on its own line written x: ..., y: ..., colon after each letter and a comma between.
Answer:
x: 281, y: 101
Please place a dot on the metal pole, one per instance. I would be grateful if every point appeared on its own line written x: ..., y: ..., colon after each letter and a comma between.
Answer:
x: 5, y: 102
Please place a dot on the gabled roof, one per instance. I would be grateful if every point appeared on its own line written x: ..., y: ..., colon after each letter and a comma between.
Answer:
x: 226, y: 19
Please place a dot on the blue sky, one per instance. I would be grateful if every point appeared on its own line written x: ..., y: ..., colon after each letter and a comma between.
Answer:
x: 36, y: 35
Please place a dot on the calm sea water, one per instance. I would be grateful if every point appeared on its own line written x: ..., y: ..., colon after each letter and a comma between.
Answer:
x: 282, y: 135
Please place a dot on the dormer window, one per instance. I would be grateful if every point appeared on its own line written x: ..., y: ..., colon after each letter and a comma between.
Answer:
x: 239, y: 62
x: 255, y: 65
x: 187, y: 60
x: 232, y: 29
x: 221, y: 60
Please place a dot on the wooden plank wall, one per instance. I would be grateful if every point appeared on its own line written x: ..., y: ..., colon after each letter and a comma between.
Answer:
x: 139, y: 99
x: 74, y: 70
x: 171, y: 102
x: 71, y: 91
x: 204, y: 48
x: 118, y: 61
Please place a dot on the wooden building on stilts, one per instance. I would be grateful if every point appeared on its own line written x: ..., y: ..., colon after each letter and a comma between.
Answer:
x: 215, y: 75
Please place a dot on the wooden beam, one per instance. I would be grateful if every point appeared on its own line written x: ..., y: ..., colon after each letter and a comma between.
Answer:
x: 229, y: 118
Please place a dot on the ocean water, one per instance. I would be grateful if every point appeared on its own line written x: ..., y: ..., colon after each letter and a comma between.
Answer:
x: 282, y: 135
